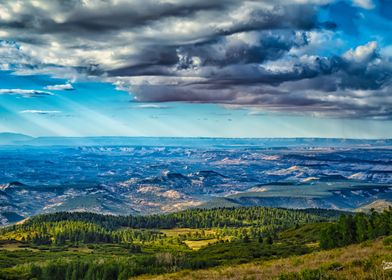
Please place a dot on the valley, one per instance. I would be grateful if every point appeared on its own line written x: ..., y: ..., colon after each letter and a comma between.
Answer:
x: 167, y: 175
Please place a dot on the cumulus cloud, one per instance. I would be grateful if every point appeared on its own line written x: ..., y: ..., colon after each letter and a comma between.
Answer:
x: 244, y: 53
x: 25, y: 92
x: 66, y: 86
x: 362, y: 54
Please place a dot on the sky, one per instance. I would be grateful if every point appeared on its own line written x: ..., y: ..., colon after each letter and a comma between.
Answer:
x: 198, y: 68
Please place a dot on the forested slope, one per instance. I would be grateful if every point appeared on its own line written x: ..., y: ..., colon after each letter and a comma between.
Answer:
x: 91, y: 246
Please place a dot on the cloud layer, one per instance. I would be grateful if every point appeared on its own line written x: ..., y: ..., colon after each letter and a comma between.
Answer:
x: 255, y: 54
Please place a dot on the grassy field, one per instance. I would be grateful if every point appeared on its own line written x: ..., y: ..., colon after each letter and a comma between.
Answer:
x: 184, y: 231
x: 197, y: 244
x: 14, y: 246
x: 192, y: 243
x: 355, y: 262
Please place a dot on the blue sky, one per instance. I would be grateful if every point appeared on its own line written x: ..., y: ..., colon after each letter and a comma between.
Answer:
x: 138, y: 68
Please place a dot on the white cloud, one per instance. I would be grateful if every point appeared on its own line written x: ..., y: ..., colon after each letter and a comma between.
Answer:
x: 25, y: 92
x: 151, y: 106
x: 40, y: 112
x: 362, y: 53
x: 66, y: 86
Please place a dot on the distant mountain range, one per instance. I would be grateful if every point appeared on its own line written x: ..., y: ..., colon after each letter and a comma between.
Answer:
x: 8, y: 138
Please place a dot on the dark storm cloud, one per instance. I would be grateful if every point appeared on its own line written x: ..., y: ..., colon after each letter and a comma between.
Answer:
x: 95, y: 17
x: 336, y: 86
x: 137, y: 13
x: 223, y: 52
x: 235, y: 53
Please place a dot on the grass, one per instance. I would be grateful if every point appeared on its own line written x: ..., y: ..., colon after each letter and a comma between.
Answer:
x: 198, y: 244
x: 83, y: 249
x: 355, y: 262
x: 183, y: 231
x: 15, y: 246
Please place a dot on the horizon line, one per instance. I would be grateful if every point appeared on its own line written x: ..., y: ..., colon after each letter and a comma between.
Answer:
x: 194, y: 137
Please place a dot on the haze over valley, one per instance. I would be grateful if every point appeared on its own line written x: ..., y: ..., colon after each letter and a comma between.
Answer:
x: 158, y: 175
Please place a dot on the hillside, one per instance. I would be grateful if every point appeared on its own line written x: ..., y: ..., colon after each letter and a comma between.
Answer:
x: 354, y: 262
x: 47, y: 246
x: 378, y: 205
x: 67, y: 246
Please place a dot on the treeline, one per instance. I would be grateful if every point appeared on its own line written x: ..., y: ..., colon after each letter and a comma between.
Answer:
x: 120, y: 269
x: 76, y: 232
x: 356, y: 228
x: 88, y: 228
x: 198, y: 218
